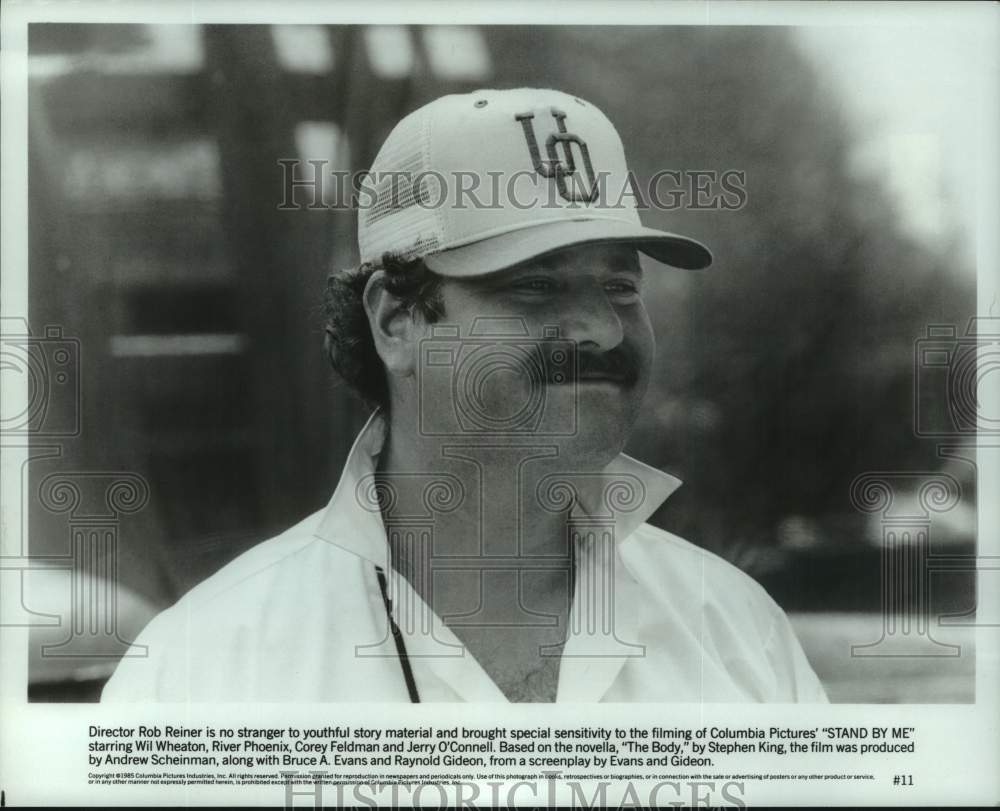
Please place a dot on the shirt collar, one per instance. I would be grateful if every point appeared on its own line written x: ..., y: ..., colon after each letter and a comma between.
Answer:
x: 625, y: 495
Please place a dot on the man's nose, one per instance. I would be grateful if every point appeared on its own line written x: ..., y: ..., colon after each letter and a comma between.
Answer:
x: 591, y: 321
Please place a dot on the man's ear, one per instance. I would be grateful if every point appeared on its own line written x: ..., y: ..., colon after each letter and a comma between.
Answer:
x: 395, y: 327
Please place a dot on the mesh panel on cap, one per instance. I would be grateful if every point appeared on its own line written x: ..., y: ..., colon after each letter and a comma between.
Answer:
x: 400, y: 221
x: 394, y: 193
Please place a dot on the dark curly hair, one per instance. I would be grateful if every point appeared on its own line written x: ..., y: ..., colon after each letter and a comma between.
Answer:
x: 348, y: 342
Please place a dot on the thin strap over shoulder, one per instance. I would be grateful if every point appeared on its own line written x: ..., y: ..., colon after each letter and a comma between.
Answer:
x: 404, y: 659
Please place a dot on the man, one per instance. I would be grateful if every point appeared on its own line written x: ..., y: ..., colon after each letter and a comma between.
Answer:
x: 486, y: 541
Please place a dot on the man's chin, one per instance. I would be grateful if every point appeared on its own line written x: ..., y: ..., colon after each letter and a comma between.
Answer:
x: 600, y: 437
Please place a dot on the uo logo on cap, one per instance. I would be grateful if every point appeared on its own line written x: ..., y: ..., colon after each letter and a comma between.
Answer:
x: 561, y: 167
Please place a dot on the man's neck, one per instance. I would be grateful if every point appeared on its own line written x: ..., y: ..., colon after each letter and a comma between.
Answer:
x: 482, y: 496
x: 492, y: 537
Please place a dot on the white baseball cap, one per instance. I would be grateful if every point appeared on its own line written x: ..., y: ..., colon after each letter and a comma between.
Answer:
x: 477, y: 182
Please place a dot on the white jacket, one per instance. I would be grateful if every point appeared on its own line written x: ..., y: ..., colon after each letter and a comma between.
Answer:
x: 300, y: 618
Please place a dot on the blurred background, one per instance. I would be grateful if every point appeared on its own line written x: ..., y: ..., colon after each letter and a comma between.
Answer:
x: 783, y: 373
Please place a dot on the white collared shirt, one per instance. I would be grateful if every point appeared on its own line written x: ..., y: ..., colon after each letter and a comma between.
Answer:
x: 301, y: 618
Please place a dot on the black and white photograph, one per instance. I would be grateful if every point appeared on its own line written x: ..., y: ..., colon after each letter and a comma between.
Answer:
x: 370, y: 360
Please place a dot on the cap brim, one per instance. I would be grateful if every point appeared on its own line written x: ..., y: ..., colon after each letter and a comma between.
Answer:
x: 512, y: 248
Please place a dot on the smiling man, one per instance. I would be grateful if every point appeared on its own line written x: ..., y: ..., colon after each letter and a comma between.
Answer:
x: 486, y: 541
